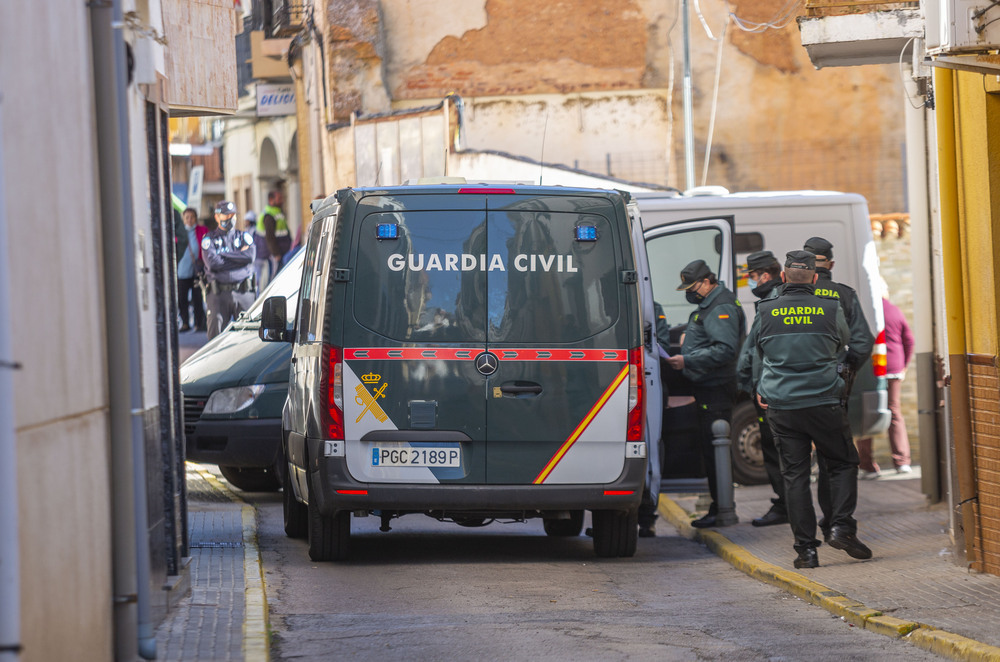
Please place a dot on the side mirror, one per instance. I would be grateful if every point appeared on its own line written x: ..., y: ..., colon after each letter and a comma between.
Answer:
x: 274, y: 320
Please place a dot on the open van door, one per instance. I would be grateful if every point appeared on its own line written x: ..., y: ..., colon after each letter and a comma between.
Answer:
x: 669, y: 248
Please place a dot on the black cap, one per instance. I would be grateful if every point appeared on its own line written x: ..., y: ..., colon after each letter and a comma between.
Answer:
x: 800, y: 260
x: 761, y: 260
x: 225, y: 207
x: 692, y: 273
x: 819, y: 246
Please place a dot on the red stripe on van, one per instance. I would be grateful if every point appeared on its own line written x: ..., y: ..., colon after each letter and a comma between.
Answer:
x: 581, y: 427
x: 465, y: 354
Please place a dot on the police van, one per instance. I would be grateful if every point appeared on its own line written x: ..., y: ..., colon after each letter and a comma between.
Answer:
x: 718, y: 226
x: 468, y: 352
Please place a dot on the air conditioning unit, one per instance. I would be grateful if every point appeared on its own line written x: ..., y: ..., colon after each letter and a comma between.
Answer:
x: 961, y: 26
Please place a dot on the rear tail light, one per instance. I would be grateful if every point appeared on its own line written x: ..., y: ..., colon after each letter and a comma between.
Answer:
x: 332, y: 385
x: 879, y: 357
x: 636, y: 396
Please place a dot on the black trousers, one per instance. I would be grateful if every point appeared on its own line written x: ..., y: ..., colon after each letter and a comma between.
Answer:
x: 713, y: 403
x: 188, y: 297
x: 772, y: 464
x: 795, y: 432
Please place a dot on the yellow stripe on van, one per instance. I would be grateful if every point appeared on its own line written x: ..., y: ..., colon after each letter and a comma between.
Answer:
x: 581, y: 427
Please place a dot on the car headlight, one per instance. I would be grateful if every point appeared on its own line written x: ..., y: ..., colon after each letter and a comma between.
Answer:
x: 231, y: 400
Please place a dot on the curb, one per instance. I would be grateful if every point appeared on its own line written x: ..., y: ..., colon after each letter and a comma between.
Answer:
x: 940, y: 642
x: 256, y: 638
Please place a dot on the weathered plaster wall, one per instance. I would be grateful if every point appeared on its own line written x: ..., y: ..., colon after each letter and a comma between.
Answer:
x: 602, y: 83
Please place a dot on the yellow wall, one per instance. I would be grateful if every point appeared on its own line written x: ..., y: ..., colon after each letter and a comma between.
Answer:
x: 977, y: 117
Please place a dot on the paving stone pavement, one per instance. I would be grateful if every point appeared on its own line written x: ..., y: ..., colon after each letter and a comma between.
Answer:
x: 208, y: 624
x: 913, y: 574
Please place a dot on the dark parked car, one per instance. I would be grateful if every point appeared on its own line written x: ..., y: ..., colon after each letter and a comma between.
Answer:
x: 234, y: 388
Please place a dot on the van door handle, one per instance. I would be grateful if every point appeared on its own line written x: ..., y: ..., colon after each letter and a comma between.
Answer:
x: 521, y: 389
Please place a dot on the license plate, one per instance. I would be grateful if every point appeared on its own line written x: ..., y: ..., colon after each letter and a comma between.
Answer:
x: 423, y: 456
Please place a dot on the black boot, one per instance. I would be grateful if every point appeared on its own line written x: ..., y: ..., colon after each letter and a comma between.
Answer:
x: 807, y: 558
x: 776, y: 515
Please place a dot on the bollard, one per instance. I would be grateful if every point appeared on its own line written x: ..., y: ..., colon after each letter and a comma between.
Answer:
x: 723, y: 474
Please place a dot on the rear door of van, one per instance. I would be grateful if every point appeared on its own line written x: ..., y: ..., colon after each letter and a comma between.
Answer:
x: 561, y: 320
x: 414, y: 323
x: 670, y: 246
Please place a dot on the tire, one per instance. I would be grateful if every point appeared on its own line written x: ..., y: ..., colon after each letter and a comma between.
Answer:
x: 251, y: 479
x: 615, y: 532
x: 748, y: 458
x: 296, y: 514
x: 329, y: 537
x: 565, y: 528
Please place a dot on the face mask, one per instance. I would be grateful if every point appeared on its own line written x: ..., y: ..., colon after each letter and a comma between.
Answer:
x: 693, y: 297
x: 752, y: 284
x: 226, y: 225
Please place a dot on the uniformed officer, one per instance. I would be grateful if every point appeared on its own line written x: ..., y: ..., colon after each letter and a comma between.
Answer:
x: 859, y: 346
x: 764, y: 276
x: 798, y: 338
x: 228, y: 254
x: 708, y: 356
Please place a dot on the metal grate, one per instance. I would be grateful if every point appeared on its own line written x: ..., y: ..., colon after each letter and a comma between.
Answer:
x: 193, y: 407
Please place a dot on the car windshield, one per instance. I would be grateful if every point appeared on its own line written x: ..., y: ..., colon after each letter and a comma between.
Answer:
x: 284, y: 284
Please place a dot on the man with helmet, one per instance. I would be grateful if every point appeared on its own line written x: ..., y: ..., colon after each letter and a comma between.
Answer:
x: 229, y: 254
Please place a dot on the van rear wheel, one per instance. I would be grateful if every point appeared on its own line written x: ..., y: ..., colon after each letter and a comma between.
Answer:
x: 615, y: 532
x: 565, y: 528
x: 748, y: 457
x: 329, y: 536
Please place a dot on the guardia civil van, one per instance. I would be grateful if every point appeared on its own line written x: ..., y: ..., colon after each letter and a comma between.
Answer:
x: 467, y: 352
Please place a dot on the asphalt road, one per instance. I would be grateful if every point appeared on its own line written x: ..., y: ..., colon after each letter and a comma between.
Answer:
x: 436, y: 591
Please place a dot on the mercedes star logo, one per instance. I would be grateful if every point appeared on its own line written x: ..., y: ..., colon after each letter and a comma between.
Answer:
x: 487, y: 363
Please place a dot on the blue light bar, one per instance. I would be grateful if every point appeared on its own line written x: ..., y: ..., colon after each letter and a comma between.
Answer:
x: 586, y: 233
x: 387, y: 231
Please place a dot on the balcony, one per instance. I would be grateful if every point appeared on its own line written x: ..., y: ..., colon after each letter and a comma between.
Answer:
x: 287, y: 18
x: 839, y: 33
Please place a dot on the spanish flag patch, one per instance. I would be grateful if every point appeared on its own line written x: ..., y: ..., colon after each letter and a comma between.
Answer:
x: 723, y: 317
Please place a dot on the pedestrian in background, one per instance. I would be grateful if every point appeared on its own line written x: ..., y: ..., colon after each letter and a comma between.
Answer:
x: 273, y: 228
x: 190, y: 268
x: 899, y: 344
x: 708, y: 357
x: 764, y: 279
x: 229, y: 283
x: 798, y: 338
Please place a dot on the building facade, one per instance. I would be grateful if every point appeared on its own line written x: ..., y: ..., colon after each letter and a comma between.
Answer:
x: 92, y: 522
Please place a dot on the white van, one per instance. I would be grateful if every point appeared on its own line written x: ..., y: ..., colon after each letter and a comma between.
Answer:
x: 777, y: 221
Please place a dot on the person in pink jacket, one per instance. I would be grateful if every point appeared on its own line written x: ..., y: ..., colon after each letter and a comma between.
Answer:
x: 899, y: 350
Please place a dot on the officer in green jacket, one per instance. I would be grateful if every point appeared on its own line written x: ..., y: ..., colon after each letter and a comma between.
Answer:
x: 708, y: 357
x: 859, y: 346
x: 798, y: 337
x: 764, y: 275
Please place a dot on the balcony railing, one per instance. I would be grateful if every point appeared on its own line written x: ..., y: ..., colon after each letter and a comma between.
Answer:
x: 820, y: 8
x: 287, y: 18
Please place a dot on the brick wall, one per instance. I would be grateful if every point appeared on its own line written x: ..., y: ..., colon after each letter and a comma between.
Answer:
x: 984, y: 406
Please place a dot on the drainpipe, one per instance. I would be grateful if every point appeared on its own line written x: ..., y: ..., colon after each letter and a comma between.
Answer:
x: 133, y: 629
x: 10, y: 541
x: 957, y: 395
x: 924, y: 275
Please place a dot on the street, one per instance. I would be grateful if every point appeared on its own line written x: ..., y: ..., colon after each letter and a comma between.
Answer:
x: 428, y: 590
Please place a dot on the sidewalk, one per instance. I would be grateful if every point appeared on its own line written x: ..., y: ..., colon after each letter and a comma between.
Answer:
x: 912, y: 588
x: 225, y: 616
